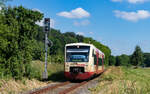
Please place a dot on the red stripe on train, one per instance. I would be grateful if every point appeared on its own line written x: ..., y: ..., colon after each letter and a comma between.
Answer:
x: 79, y: 76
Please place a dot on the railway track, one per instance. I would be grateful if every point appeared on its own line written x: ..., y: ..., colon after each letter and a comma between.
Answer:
x: 60, y: 88
x: 64, y: 87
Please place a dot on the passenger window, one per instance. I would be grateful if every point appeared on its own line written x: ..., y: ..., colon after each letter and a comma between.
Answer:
x: 99, y: 61
x: 93, y: 53
x: 95, y: 60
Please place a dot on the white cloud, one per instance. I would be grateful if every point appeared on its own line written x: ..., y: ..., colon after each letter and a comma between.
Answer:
x: 137, y: 1
x: 131, y: 1
x: 90, y: 32
x: 132, y: 16
x: 41, y: 23
x: 0, y: 8
x: 76, y: 13
x: 35, y: 9
x: 116, y: 0
x: 81, y: 23
x: 80, y: 33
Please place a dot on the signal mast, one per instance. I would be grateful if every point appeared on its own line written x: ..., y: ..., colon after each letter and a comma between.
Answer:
x: 46, y: 30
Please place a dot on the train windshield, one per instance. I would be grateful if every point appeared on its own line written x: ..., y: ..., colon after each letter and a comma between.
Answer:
x: 77, y: 54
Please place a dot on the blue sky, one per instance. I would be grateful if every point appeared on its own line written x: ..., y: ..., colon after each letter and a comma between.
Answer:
x: 119, y: 24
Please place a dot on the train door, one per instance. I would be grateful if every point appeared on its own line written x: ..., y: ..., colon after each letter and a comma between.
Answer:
x: 99, y: 64
x: 102, y: 62
x: 96, y: 61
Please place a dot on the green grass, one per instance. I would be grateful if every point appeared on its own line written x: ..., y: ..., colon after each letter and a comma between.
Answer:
x: 140, y: 75
x: 55, y: 73
x: 123, y: 80
x: 55, y: 70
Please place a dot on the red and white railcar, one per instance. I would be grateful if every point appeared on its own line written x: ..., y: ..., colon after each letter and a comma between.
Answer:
x: 83, y: 61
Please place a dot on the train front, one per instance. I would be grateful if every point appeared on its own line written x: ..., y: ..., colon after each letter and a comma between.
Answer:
x: 76, y: 62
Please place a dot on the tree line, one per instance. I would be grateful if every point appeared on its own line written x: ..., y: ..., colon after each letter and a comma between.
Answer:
x: 138, y: 58
x: 56, y: 52
x: 22, y: 41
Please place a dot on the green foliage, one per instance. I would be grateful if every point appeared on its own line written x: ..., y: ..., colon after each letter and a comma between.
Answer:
x: 147, y: 59
x: 112, y: 60
x: 80, y: 38
x: 122, y: 60
x: 18, y: 30
x: 38, y: 50
x: 137, y: 57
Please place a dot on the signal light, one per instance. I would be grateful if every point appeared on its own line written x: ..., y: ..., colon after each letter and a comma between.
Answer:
x: 47, y: 24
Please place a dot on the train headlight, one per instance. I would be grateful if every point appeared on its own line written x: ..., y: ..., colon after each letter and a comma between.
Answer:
x: 67, y: 66
x: 86, y: 68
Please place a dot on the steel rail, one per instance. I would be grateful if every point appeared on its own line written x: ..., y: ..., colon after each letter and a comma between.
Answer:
x: 68, y: 90
x: 72, y: 88
x: 41, y: 91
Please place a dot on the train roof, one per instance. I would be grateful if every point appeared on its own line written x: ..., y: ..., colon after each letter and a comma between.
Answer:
x: 85, y: 44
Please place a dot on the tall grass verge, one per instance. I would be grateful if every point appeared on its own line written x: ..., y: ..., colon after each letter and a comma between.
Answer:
x: 123, y: 80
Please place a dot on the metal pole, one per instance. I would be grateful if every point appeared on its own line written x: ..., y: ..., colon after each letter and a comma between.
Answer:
x: 49, y: 31
x: 46, y: 30
x: 46, y: 55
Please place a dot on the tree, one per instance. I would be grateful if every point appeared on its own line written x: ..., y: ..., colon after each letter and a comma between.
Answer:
x: 124, y: 60
x: 70, y: 34
x: 147, y: 59
x: 118, y: 61
x: 137, y: 58
x: 80, y: 38
x: 112, y: 60
x: 18, y: 31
